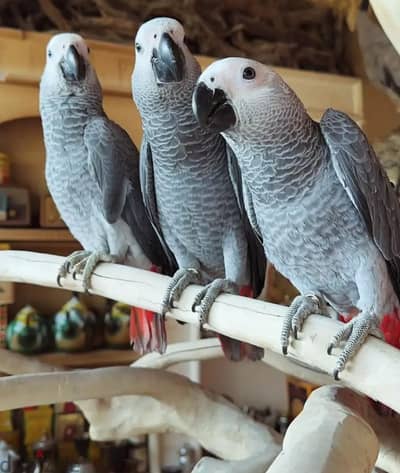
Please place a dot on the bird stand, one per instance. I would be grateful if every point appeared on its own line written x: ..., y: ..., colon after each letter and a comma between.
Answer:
x: 338, y: 429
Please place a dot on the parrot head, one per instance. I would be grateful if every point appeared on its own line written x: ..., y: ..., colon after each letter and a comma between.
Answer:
x: 68, y: 70
x: 239, y: 93
x: 163, y: 63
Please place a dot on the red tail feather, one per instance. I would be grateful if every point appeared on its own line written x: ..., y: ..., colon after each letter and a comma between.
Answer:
x: 147, y: 331
x: 234, y: 350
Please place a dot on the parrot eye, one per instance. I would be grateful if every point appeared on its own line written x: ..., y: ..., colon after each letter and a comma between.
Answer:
x: 249, y: 73
x: 88, y: 50
x: 49, y: 53
x: 138, y: 47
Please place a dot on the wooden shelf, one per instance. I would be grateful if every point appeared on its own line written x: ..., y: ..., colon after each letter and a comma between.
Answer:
x: 36, y: 235
x: 90, y: 359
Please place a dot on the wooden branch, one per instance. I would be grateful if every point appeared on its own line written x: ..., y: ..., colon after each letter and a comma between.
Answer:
x: 123, y: 416
x: 388, y: 14
x: 171, y: 403
x: 298, y: 34
x: 54, y: 14
x: 374, y: 367
x: 210, y: 348
x: 330, y: 435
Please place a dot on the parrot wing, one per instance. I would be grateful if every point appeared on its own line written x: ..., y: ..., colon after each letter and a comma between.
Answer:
x: 149, y: 197
x: 366, y: 184
x: 114, y: 164
x: 253, y: 234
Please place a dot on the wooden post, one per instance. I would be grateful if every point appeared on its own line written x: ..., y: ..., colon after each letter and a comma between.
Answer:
x: 329, y: 436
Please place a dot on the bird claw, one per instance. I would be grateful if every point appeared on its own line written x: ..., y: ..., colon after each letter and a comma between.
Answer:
x: 206, y: 297
x: 82, y: 262
x: 179, y: 282
x: 354, y: 334
x: 301, y: 307
x: 336, y: 374
x: 295, y: 333
x: 59, y: 280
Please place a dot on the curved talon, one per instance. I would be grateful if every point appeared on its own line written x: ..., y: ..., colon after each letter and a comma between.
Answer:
x: 301, y: 307
x: 336, y: 374
x: 207, y: 296
x: 353, y: 334
x: 74, y: 274
x: 171, y: 300
x: 67, y: 266
x: 194, y: 306
x: 295, y: 333
x: 284, y: 350
x: 180, y: 281
x: 59, y: 280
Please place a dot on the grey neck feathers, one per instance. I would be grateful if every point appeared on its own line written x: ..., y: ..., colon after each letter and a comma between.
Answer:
x: 60, y: 108
x: 286, y: 160
x: 174, y: 134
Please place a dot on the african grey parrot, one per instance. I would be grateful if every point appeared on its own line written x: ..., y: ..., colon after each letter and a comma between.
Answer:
x: 185, y: 180
x: 316, y: 193
x: 92, y: 168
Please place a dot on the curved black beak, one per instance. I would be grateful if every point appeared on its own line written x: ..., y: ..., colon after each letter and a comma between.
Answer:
x: 73, y: 65
x: 168, y: 61
x: 211, y: 108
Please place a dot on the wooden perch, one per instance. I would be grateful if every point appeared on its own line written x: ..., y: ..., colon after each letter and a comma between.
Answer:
x: 388, y: 14
x: 189, y: 409
x: 175, y: 404
x: 330, y: 435
x: 372, y: 372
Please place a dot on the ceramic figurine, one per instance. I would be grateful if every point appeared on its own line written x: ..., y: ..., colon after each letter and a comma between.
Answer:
x: 116, y: 325
x: 28, y: 332
x: 74, y: 326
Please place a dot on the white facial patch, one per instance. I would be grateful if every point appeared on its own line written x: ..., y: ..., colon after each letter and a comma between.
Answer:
x: 149, y: 34
x: 59, y: 44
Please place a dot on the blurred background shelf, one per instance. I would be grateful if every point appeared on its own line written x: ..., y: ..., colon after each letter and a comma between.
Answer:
x: 90, y: 359
x: 35, y: 235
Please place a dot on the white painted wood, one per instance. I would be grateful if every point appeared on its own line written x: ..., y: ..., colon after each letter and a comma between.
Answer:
x: 388, y: 14
x: 375, y: 366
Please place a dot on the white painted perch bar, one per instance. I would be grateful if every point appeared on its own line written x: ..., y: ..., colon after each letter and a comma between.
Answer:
x: 330, y: 435
x: 374, y: 371
x: 210, y: 348
x: 331, y: 417
x: 388, y: 14
x: 332, y: 398
x: 176, y: 404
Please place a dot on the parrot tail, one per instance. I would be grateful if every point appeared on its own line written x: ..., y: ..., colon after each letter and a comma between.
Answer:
x: 147, y: 331
x: 235, y: 350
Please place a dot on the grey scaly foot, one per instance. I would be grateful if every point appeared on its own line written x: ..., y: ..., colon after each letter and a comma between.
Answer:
x: 69, y: 262
x: 87, y: 262
x: 301, y: 307
x: 206, y: 297
x: 179, y: 282
x: 354, y: 333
